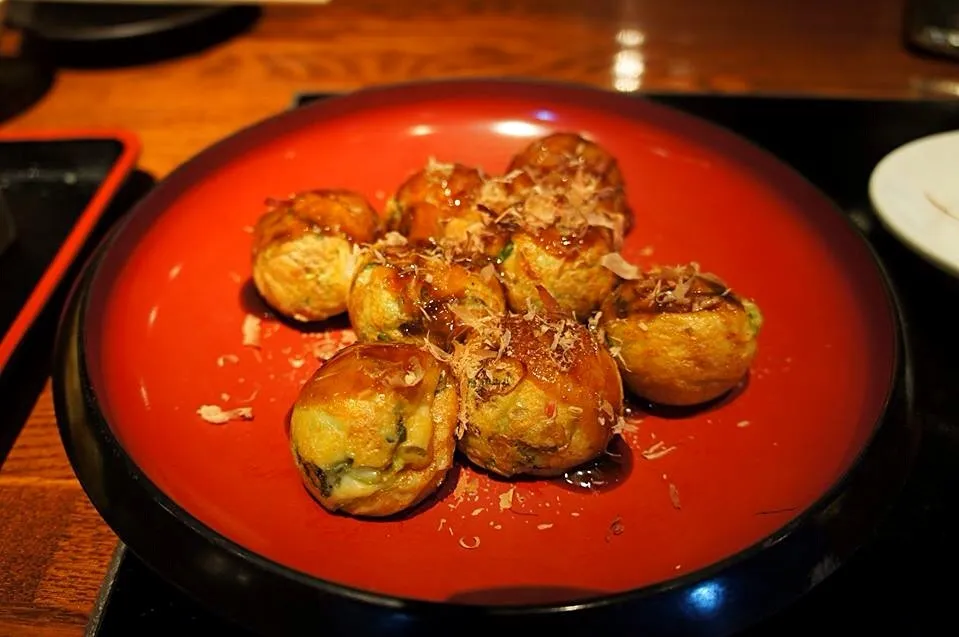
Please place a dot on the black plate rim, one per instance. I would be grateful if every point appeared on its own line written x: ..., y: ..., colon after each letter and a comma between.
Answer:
x: 70, y: 346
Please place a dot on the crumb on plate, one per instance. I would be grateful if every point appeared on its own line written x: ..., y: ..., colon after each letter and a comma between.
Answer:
x: 251, y: 331
x: 217, y: 415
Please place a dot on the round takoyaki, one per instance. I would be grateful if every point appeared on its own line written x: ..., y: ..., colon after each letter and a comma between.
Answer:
x: 566, y: 261
x: 681, y: 337
x: 538, y: 394
x: 373, y: 431
x: 582, y: 169
x: 302, y: 247
x: 435, y: 205
x: 404, y: 293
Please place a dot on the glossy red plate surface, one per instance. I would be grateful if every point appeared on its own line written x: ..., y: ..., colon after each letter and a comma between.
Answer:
x: 171, y: 295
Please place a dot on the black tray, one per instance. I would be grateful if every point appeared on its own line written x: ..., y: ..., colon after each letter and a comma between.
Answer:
x: 50, y: 182
x: 899, y: 582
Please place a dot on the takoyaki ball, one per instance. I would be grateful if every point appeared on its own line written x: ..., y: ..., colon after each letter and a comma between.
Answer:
x: 583, y: 168
x: 403, y: 293
x: 681, y: 337
x: 562, y: 154
x: 567, y: 263
x: 302, y: 246
x: 538, y: 397
x: 435, y: 204
x: 373, y: 430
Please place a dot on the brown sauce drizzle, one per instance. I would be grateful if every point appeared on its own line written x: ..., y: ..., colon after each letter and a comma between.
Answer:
x: 605, y: 473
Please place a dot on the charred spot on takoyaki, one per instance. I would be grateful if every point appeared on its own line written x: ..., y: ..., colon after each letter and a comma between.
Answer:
x: 373, y: 430
x: 580, y: 167
x: 302, y: 246
x: 434, y: 205
x: 404, y: 293
x: 681, y: 337
x: 538, y: 394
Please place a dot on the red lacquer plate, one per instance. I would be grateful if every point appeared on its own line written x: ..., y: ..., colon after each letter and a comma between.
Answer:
x: 160, y: 333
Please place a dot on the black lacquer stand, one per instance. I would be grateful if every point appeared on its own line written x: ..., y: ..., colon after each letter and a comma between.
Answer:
x: 899, y: 583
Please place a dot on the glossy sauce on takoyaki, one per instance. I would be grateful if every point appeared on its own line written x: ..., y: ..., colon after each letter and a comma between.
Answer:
x: 373, y: 431
x: 538, y: 394
x: 403, y: 293
x: 435, y: 205
x: 581, y: 168
x: 681, y: 337
x: 302, y: 251
x: 561, y: 247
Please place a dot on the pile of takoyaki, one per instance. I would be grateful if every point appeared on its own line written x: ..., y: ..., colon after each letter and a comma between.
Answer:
x: 494, y: 315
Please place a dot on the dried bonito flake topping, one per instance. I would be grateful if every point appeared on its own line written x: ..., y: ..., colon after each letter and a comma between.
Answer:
x: 218, y: 416
x: 615, y: 263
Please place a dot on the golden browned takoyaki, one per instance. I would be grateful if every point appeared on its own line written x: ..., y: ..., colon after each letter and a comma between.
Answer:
x: 434, y: 205
x: 681, y: 337
x: 579, y: 167
x: 373, y: 431
x: 538, y: 394
x: 404, y: 293
x: 566, y: 260
x: 302, y: 247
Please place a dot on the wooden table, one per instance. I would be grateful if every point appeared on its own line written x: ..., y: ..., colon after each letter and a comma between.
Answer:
x: 54, y: 548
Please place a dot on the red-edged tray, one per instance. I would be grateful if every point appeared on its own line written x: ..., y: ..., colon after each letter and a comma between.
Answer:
x: 58, y: 186
x: 43, y: 156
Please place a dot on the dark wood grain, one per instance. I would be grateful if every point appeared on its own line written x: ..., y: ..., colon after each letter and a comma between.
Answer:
x: 54, y: 548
